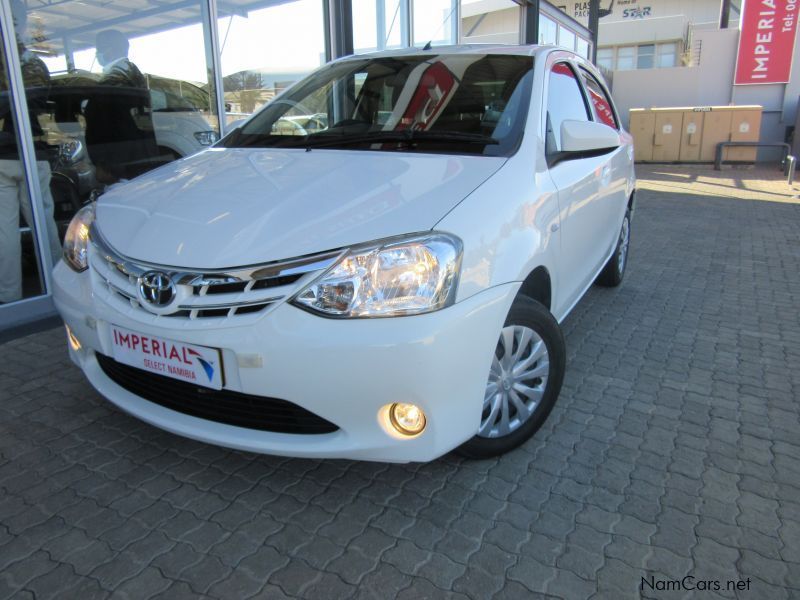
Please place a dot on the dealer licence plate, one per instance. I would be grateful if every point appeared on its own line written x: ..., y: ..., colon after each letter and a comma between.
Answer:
x: 196, y: 364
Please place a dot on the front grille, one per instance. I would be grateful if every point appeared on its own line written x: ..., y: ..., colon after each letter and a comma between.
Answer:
x: 220, y: 406
x: 245, y: 286
x: 219, y: 295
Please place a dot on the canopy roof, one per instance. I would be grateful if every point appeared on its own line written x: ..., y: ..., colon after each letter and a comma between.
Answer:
x: 58, y: 26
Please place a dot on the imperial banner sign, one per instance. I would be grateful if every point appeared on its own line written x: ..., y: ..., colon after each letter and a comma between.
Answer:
x: 766, y: 42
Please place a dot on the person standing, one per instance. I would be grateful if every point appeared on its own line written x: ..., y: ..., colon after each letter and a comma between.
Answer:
x: 13, y: 186
x: 119, y: 126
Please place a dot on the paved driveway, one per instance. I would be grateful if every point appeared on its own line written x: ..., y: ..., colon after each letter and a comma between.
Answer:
x: 674, y: 451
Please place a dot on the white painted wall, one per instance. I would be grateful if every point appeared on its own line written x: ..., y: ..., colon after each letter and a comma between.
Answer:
x: 704, y: 85
x: 647, y: 31
x: 471, y: 8
x: 711, y: 83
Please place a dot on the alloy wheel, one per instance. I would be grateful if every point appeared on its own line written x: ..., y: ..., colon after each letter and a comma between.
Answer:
x: 517, y: 381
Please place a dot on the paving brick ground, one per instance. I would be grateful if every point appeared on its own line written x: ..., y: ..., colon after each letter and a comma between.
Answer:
x: 674, y: 450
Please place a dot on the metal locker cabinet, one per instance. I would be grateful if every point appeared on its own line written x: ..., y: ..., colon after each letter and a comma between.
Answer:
x: 716, y: 128
x: 745, y: 127
x: 642, y: 124
x: 667, y: 136
x: 691, y: 135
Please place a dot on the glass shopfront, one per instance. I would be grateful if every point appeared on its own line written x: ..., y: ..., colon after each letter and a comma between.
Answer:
x: 21, y: 265
x: 504, y: 22
x: 435, y: 22
x: 265, y: 50
x: 93, y: 93
x: 379, y: 24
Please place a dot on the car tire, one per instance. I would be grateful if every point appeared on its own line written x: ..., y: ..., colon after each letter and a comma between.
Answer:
x: 614, y: 271
x: 528, y: 323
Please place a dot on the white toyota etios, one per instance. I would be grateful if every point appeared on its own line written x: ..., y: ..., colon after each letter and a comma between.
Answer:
x: 373, y: 266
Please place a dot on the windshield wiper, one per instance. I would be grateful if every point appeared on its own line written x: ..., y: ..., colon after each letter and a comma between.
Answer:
x: 408, y: 136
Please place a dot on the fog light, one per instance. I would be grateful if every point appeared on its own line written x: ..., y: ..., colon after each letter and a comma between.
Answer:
x: 73, y: 341
x: 408, y: 419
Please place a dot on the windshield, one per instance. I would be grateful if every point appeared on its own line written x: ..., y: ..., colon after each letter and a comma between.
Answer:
x: 456, y: 103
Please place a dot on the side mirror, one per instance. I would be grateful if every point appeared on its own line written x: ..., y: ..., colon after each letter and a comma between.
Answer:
x: 587, y: 136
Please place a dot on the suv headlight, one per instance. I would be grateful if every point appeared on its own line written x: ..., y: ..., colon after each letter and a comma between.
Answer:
x: 205, y: 138
x: 76, y: 240
x: 398, y: 277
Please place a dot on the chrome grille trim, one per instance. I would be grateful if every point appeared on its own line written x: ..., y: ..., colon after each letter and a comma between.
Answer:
x: 182, y: 276
x: 197, y: 298
x: 229, y: 305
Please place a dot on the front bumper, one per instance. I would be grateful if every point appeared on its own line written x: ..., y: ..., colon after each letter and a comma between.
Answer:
x: 345, y: 371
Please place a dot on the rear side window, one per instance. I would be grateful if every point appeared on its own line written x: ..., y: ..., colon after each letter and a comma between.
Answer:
x: 565, y: 102
x: 601, y: 104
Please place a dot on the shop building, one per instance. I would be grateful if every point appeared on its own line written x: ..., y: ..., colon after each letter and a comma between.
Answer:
x: 205, y: 64
x: 669, y: 53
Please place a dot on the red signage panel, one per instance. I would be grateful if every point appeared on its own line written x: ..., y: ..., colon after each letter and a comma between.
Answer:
x: 766, y: 41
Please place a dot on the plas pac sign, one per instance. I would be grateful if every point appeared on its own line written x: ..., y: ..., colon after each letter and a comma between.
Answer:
x: 766, y: 41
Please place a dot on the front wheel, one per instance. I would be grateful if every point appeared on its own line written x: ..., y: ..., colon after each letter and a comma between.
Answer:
x: 524, y: 380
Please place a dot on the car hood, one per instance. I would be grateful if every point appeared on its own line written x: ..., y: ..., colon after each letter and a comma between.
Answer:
x: 233, y: 207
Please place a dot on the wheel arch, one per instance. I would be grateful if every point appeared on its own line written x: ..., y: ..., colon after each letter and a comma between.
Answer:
x: 538, y: 285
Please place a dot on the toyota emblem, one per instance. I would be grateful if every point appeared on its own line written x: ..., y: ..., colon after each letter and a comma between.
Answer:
x: 156, y: 288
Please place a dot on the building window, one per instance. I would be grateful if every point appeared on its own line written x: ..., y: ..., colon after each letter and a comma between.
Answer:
x: 566, y: 38
x: 498, y: 23
x: 605, y: 58
x: 20, y: 255
x: 258, y: 60
x: 380, y: 25
x: 583, y: 47
x: 645, y: 57
x: 626, y: 58
x: 548, y: 30
x: 366, y: 35
x: 668, y: 55
x: 434, y: 22
x: 111, y: 93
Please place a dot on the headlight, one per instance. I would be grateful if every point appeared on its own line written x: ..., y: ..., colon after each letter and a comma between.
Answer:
x: 76, y: 241
x: 408, y: 276
x: 206, y: 138
x: 70, y: 151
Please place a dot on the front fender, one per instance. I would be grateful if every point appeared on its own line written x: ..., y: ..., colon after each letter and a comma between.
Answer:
x: 509, y: 226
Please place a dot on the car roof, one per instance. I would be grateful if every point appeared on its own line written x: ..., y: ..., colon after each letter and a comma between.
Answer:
x: 534, y: 50
x: 527, y: 50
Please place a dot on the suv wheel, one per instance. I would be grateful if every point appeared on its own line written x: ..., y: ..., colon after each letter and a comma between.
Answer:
x: 614, y: 271
x: 524, y: 380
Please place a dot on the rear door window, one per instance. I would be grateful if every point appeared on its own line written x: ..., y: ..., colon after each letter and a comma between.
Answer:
x: 601, y: 104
